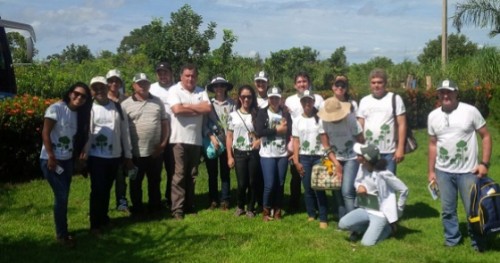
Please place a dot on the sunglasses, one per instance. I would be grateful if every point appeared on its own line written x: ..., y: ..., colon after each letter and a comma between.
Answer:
x: 78, y: 94
x: 243, y: 97
x: 340, y: 85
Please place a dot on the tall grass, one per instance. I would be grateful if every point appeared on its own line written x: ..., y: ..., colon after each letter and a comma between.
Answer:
x: 27, y: 233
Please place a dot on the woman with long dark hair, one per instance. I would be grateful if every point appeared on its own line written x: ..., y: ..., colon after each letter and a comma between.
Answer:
x: 243, y: 149
x: 65, y: 131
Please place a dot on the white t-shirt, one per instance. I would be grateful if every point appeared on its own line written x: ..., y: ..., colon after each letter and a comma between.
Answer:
x: 162, y: 93
x: 262, y: 102
x: 186, y: 129
x: 273, y: 146
x: 308, y: 131
x: 236, y: 124
x: 62, y: 134
x: 295, y: 108
x: 105, y: 131
x: 342, y: 136
x: 457, y: 146
x: 379, y: 120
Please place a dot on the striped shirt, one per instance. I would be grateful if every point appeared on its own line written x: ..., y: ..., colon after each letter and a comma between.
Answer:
x: 145, y: 123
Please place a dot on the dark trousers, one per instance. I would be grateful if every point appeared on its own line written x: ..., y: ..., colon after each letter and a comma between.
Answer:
x: 295, y: 188
x: 102, y: 174
x: 151, y: 167
x: 247, y: 167
x: 169, y: 164
x: 213, y: 166
x: 187, y: 159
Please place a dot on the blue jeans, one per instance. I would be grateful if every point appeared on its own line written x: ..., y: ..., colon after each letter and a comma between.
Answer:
x: 312, y: 197
x: 375, y: 228
x: 391, y: 164
x: 213, y: 170
x: 274, y: 173
x: 450, y: 184
x: 60, y: 184
x: 345, y: 198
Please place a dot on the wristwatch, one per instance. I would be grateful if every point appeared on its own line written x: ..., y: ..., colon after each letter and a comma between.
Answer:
x: 485, y: 164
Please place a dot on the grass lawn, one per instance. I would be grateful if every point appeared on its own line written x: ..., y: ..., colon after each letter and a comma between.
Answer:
x: 27, y: 229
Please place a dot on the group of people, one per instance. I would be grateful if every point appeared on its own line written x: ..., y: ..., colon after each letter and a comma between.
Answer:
x: 260, y: 135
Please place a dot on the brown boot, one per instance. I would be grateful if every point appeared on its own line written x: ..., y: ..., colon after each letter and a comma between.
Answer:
x: 266, y: 215
x: 277, y: 213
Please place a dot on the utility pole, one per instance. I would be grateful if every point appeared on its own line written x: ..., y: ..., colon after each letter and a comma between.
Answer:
x: 444, y: 35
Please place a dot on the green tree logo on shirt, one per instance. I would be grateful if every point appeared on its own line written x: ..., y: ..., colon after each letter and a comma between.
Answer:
x: 63, y: 144
x: 443, y: 155
x: 240, y: 142
x: 101, y: 141
x: 460, y: 156
x: 383, y: 137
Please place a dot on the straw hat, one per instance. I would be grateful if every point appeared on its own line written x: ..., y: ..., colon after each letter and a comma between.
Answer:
x: 334, y: 110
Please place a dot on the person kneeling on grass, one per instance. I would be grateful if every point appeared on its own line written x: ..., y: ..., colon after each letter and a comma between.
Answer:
x: 376, y: 218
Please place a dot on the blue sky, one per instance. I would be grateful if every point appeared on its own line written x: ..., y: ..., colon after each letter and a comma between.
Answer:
x: 395, y: 29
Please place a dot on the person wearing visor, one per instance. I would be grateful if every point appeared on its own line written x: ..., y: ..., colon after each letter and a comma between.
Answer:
x: 376, y: 218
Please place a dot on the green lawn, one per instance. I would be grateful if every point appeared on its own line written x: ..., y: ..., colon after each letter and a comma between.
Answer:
x: 27, y: 230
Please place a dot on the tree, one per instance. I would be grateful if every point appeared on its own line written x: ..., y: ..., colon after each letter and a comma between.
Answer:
x: 17, y: 44
x: 73, y: 53
x: 480, y: 13
x: 458, y: 46
x: 338, y: 61
x: 220, y: 61
x: 284, y: 64
x: 178, y: 41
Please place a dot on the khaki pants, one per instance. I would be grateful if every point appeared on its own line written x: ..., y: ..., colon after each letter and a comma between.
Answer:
x: 187, y: 159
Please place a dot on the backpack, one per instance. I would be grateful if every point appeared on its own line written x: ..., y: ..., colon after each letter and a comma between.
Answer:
x: 484, y: 213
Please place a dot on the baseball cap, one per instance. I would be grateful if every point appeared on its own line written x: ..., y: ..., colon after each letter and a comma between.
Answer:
x: 449, y: 85
x: 98, y: 79
x: 274, y: 92
x: 114, y: 73
x: 163, y: 66
x: 369, y: 151
x: 140, y: 77
x: 261, y: 76
x: 306, y: 94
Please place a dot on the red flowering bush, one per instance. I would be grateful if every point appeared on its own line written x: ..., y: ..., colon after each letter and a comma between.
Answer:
x: 21, y: 123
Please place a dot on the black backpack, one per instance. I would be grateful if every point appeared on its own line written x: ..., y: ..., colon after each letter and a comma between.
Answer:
x: 484, y: 213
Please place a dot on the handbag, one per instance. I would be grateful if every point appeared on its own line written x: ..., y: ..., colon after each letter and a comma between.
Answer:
x: 410, y: 142
x: 324, y: 176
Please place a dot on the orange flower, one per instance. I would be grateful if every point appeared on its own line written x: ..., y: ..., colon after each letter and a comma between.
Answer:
x: 30, y: 112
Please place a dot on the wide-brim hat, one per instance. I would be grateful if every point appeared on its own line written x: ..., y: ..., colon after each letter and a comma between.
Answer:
x: 219, y: 81
x: 334, y: 110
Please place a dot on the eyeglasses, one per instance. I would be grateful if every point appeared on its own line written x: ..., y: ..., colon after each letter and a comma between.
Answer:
x: 243, y: 97
x: 78, y: 94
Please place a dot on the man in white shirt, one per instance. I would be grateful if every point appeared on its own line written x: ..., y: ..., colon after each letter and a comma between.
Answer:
x: 302, y: 82
x: 453, y: 157
x: 188, y: 103
x: 160, y: 89
x: 375, y: 114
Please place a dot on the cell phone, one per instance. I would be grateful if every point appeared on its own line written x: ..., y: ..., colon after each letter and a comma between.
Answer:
x: 59, y: 169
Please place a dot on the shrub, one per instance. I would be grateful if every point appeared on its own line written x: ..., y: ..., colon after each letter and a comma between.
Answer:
x: 21, y: 123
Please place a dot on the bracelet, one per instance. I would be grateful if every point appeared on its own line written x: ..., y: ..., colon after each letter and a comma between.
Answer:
x: 485, y: 164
